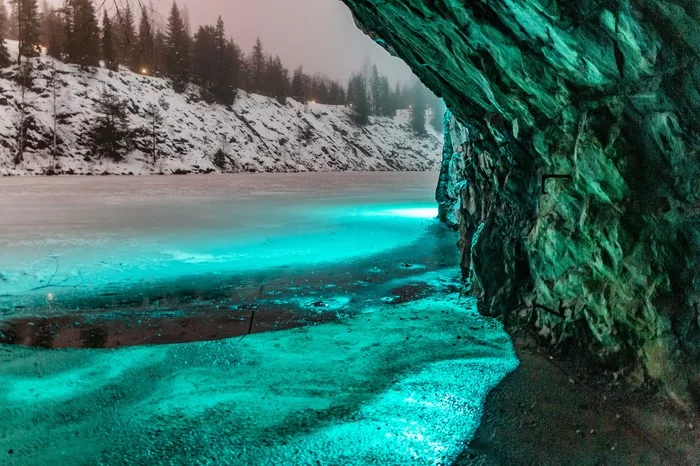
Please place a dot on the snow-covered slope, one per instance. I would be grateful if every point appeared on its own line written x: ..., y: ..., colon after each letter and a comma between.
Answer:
x: 257, y: 133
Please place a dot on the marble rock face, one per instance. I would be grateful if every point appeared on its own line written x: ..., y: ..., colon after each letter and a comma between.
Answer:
x: 605, y: 96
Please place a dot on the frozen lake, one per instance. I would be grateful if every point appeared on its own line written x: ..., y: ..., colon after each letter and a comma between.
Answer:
x: 376, y: 358
x: 64, y: 240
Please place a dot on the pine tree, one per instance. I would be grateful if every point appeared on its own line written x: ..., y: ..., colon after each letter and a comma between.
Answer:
x: 126, y: 36
x: 321, y: 93
x: 350, y: 95
x: 386, y: 99
x: 55, y: 31
x: 396, y: 97
x: 418, y: 109
x: 108, y: 52
x: 333, y: 92
x: 360, y: 101
x: 159, y: 53
x: 238, y: 61
x: 3, y: 20
x: 257, y: 67
x: 44, y: 12
x: 155, y: 119
x: 277, y: 79
x: 84, y: 47
x: 186, y: 20
x: 28, y: 27
x: 283, y: 83
x: 438, y: 119
x: 26, y: 72
x: 244, y: 81
x: 298, y: 86
x: 374, y: 84
x: 222, y: 87
x: 111, y: 130
x: 177, y: 51
x: 4, y: 54
x: 143, y: 52
x: 204, y: 61
x: 12, y: 32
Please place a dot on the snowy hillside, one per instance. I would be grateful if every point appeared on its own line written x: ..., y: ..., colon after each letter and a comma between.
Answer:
x: 256, y: 134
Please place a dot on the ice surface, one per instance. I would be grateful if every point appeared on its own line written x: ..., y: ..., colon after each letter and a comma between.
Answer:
x: 403, y: 385
x: 71, y: 237
x: 399, y: 378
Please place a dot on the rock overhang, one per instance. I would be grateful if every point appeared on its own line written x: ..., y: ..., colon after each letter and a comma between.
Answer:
x: 606, y: 94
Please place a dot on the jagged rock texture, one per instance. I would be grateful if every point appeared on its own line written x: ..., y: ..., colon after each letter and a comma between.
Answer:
x: 607, y: 93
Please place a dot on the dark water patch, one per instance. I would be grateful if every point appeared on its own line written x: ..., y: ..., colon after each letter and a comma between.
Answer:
x: 219, y: 306
x: 410, y: 292
x: 129, y: 329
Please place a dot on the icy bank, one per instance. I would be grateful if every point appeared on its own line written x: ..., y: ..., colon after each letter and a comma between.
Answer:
x: 256, y: 134
x: 402, y: 385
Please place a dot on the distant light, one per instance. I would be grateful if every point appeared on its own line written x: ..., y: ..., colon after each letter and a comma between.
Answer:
x: 417, y: 212
x: 313, y: 101
x: 412, y: 212
x: 49, y: 297
x: 144, y: 70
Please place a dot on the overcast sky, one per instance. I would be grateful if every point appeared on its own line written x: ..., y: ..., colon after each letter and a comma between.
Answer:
x: 320, y: 34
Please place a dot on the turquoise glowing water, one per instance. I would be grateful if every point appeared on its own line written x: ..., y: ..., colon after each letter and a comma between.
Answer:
x: 65, y: 238
x: 397, y: 377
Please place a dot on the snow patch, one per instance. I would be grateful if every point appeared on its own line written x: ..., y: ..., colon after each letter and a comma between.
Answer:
x: 257, y: 133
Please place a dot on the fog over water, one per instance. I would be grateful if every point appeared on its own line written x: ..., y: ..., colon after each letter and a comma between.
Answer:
x: 320, y: 34
x: 75, y: 236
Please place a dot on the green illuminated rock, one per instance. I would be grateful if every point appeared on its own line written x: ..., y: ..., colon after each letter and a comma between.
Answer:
x: 607, y: 93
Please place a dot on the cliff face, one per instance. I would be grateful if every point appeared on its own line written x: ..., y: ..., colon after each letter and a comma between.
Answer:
x: 605, y: 97
x: 256, y: 134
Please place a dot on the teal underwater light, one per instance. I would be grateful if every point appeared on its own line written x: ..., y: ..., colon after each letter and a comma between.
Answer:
x: 408, y: 212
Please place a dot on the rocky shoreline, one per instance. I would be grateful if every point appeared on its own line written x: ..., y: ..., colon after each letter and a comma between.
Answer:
x: 546, y: 413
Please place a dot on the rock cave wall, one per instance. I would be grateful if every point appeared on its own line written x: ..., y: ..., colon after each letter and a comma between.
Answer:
x: 605, y: 95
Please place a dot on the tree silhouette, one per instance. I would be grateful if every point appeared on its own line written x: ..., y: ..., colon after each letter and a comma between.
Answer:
x: 418, y: 109
x: 357, y: 88
x: 126, y: 36
x: 204, y: 61
x: 177, y: 50
x: 108, y: 53
x: 374, y: 85
x: 54, y: 31
x: 27, y: 27
x: 12, y: 28
x: 4, y: 54
x: 110, y: 133
x: 298, y: 87
x: 83, y: 34
x: 144, y: 51
x: 222, y: 85
x: 257, y: 67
